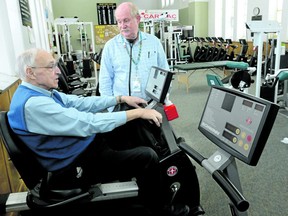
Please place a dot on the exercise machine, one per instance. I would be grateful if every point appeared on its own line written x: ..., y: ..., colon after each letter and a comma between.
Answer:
x: 244, y: 48
x: 86, y: 59
x: 187, y: 36
x: 212, y: 49
x: 221, y: 52
x: 82, y: 66
x: 268, y: 87
x: 239, y: 124
x: 229, y: 55
x: 259, y: 29
x: 162, y: 19
x: 239, y: 79
x: 181, y: 56
x: 190, y: 68
x: 180, y: 182
x: 270, y: 58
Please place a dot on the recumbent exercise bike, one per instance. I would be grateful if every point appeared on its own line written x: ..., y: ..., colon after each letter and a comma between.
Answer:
x: 180, y: 183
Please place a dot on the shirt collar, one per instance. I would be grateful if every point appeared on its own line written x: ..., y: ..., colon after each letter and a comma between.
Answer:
x: 142, y: 37
x: 35, y: 88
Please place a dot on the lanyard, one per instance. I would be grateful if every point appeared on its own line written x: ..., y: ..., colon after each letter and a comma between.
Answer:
x: 136, y: 62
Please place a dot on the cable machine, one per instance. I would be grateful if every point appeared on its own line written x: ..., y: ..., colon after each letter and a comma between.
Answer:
x: 62, y: 27
x: 151, y: 18
x: 259, y: 29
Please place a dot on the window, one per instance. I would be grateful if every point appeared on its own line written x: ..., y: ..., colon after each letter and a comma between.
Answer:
x: 241, y: 20
x: 218, y: 17
x: 230, y: 22
x: 167, y: 3
x: 229, y: 19
x: 275, y: 10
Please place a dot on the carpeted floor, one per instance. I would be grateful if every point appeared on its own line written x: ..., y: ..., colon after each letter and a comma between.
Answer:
x: 265, y: 186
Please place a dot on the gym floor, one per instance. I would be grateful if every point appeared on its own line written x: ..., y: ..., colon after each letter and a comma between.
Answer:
x: 264, y: 186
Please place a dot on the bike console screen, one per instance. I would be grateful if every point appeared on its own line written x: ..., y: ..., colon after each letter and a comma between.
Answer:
x: 238, y: 123
x: 158, y: 84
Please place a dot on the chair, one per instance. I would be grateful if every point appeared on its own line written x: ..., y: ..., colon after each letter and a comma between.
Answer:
x: 32, y: 173
x: 75, y: 90
x: 40, y: 195
x: 63, y: 68
x: 71, y: 80
x: 28, y: 168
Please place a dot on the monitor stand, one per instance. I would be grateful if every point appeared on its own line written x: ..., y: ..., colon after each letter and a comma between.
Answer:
x: 151, y: 105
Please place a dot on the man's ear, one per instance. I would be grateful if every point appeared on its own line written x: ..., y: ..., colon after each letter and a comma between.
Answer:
x: 29, y: 73
x: 138, y: 17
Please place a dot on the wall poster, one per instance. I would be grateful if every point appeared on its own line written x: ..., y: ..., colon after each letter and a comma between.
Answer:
x: 105, y: 12
x: 103, y: 33
x: 25, y: 13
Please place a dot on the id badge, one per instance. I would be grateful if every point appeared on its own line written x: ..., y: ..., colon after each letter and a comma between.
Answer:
x: 136, y: 85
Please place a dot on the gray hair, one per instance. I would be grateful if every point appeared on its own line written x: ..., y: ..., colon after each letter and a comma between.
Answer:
x: 24, y: 60
x: 133, y: 8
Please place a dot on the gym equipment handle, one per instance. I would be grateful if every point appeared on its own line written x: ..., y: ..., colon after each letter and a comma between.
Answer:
x: 232, y: 192
x: 192, y: 153
x: 228, y: 187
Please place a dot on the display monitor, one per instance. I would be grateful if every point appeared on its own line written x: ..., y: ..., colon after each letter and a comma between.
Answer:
x: 238, y: 123
x: 158, y: 83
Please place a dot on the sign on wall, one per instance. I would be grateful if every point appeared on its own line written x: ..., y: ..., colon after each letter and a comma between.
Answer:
x: 25, y: 13
x: 157, y: 15
x: 105, y: 12
x: 103, y: 33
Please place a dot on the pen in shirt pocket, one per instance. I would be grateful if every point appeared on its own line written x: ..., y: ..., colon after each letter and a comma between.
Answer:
x: 148, y: 54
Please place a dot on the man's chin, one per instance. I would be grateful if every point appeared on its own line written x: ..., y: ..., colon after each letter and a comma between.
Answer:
x: 55, y: 86
x: 128, y: 36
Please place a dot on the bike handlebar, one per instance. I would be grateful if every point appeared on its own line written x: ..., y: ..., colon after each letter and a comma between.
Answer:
x: 228, y: 187
x: 192, y: 152
x: 232, y: 192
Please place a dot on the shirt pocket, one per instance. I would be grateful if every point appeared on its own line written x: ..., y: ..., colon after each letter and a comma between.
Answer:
x: 152, y: 58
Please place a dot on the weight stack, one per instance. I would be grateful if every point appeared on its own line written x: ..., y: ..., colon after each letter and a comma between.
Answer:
x: 267, y: 93
x: 86, y: 68
x: 70, y: 67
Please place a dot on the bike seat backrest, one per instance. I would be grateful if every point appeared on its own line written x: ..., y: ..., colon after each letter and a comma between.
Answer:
x: 22, y: 157
x: 35, y: 177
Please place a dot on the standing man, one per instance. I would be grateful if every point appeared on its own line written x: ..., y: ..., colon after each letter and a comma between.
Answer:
x: 125, y: 66
x: 128, y: 57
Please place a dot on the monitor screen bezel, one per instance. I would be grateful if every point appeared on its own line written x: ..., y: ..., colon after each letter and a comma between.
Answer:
x: 165, y: 85
x: 263, y: 132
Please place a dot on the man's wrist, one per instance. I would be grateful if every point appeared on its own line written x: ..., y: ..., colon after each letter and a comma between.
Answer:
x: 119, y: 99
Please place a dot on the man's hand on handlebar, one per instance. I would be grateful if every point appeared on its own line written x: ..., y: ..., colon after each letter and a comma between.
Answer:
x: 133, y: 101
x: 148, y: 114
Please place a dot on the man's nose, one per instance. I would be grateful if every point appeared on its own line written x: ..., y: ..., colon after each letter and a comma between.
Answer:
x: 57, y: 70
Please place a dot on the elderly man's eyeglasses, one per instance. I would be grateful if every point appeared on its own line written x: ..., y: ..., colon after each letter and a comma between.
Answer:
x: 51, y: 67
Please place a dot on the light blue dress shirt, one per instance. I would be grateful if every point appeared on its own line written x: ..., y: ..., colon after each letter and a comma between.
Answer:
x: 115, y: 63
x: 81, y: 116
